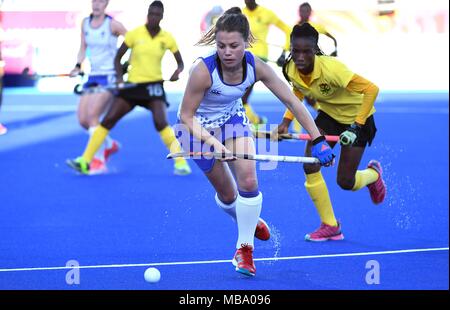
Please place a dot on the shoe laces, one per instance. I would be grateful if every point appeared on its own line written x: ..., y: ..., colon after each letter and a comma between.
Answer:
x: 244, y: 254
x: 326, y: 230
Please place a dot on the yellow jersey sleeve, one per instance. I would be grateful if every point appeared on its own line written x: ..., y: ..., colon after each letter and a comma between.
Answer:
x: 129, y: 38
x: 320, y: 28
x: 286, y: 29
x: 171, y: 43
x: 360, y: 85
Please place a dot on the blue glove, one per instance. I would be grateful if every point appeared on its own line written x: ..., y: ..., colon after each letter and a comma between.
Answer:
x: 322, y: 151
x: 350, y: 136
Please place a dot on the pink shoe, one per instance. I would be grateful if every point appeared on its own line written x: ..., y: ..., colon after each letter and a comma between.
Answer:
x: 97, y: 166
x: 326, y: 232
x: 3, y: 129
x: 115, y: 147
x: 377, y: 189
x: 262, y: 231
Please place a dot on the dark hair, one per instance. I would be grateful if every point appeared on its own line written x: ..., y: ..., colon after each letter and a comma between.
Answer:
x: 305, y: 4
x: 304, y: 30
x: 157, y: 4
x: 231, y: 20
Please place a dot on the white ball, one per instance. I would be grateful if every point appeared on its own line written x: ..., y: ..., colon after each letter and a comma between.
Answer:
x: 152, y: 275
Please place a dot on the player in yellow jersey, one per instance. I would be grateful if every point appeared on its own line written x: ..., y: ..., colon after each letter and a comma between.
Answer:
x: 346, y: 108
x: 304, y: 12
x: 148, y: 43
x: 260, y: 19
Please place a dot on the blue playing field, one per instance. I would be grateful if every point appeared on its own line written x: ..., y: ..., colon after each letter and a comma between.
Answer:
x: 139, y: 215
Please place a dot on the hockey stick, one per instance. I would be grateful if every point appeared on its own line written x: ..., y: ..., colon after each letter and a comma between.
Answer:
x: 291, y: 136
x: 257, y: 157
x: 78, y: 90
x: 35, y: 76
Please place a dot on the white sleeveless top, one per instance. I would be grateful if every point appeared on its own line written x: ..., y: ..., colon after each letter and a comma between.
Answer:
x: 222, y: 101
x: 102, y: 46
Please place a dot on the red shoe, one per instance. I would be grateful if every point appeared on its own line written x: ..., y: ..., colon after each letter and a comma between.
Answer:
x: 3, y: 129
x: 243, y: 260
x: 115, y: 147
x: 325, y: 232
x: 97, y: 166
x: 377, y: 189
x: 262, y: 231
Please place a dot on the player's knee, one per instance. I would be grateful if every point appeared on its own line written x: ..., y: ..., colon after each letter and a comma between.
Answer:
x: 248, y: 184
x: 311, y: 168
x: 108, y: 123
x: 160, y: 124
x: 227, y: 197
x: 92, y: 119
x: 84, y: 122
x: 345, y: 182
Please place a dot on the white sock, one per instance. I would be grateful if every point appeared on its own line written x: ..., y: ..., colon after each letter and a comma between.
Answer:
x: 247, y: 212
x: 229, y: 209
x: 101, y: 151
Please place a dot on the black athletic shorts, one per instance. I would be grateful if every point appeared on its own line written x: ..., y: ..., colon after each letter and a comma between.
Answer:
x: 144, y: 93
x: 332, y: 127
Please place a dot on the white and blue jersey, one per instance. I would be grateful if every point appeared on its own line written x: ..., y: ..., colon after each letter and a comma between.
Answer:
x: 222, y: 101
x: 220, y: 112
x: 101, y: 46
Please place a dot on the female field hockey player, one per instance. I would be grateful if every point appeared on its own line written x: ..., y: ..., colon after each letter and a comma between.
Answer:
x: 99, y: 33
x: 346, y: 108
x: 212, y: 104
x: 148, y: 43
x: 304, y: 12
x: 260, y: 19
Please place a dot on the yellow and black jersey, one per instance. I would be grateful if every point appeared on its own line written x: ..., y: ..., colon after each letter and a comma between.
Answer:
x: 340, y: 93
x: 147, y: 53
x: 260, y: 20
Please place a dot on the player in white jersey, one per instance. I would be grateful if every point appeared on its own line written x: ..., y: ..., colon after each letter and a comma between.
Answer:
x: 99, y: 33
x: 211, y: 116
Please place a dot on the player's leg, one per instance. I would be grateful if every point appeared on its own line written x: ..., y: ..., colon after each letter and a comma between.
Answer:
x: 98, y: 105
x: 349, y: 178
x: 167, y: 135
x: 248, y: 204
x: 118, y: 109
x: 317, y: 188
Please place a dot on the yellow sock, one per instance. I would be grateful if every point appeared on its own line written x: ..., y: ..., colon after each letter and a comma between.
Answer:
x: 364, y: 177
x: 96, y: 140
x: 317, y: 189
x: 296, y: 126
x: 252, y: 116
x: 170, y: 141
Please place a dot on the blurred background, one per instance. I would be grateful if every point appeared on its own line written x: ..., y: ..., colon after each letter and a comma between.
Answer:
x: 398, y: 44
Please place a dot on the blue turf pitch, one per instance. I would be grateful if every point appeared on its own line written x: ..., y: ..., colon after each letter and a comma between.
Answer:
x: 116, y: 225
